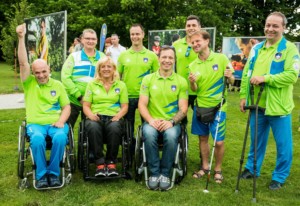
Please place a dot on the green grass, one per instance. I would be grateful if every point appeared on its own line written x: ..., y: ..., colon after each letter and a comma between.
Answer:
x: 10, y: 81
x: 128, y: 192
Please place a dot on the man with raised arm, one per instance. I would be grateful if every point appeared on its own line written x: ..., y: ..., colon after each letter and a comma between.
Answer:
x: 47, y: 110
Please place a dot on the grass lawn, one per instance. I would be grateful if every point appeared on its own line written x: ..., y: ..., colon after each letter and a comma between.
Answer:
x: 128, y: 192
x: 10, y: 81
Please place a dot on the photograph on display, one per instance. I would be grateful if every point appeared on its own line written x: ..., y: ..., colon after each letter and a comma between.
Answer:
x: 158, y: 38
x: 237, y: 49
x: 46, y: 39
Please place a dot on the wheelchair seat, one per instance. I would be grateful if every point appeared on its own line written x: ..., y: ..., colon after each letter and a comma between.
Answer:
x: 26, y: 169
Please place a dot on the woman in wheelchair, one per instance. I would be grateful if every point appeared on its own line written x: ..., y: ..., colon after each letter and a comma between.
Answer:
x: 105, y: 104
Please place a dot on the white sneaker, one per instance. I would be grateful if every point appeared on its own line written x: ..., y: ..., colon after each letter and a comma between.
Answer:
x: 164, y: 183
x: 153, y: 183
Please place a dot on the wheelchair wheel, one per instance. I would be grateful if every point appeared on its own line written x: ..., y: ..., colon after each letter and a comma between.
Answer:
x: 22, y: 151
x: 128, y: 144
x: 183, y: 153
x: 138, y: 157
x: 80, y: 146
x: 71, y: 152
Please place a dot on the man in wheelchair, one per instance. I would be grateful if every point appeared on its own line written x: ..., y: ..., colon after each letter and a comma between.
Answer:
x: 163, y: 104
x: 47, y: 110
x: 105, y: 103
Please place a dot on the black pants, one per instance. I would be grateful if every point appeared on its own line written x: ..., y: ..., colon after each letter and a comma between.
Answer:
x: 104, y: 131
x: 75, y: 110
x: 191, y: 103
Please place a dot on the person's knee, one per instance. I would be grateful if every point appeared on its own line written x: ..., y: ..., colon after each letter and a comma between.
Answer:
x: 219, y: 144
x: 37, y: 139
x: 203, y: 138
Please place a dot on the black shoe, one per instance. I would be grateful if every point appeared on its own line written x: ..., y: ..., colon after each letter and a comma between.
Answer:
x: 274, y: 185
x: 100, y: 171
x: 54, y: 181
x: 42, y: 183
x: 111, y: 170
x: 246, y: 174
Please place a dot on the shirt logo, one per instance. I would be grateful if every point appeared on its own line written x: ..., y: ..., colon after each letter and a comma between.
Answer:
x: 117, y: 90
x: 173, y: 88
x: 215, y: 67
x: 53, y: 93
x: 154, y: 87
x: 144, y: 87
x: 278, y: 55
x: 145, y: 60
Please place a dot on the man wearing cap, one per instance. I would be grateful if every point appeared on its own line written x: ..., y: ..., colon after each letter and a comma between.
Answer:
x: 156, y: 47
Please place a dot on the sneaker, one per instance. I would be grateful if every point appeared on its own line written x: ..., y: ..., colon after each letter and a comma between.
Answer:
x: 164, y: 183
x: 153, y: 182
x: 54, y: 180
x: 42, y: 183
x: 274, y: 185
x: 111, y: 170
x: 246, y: 174
x: 100, y: 171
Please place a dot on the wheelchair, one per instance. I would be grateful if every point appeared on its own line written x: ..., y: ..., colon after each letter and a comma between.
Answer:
x: 86, y: 161
x: 26, y: 169
x: 180, y: 162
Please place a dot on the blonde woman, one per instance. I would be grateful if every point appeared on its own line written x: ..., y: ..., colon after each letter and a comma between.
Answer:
x: 105, y: 104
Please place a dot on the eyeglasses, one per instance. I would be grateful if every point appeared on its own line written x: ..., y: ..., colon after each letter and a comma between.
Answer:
x: 188, y: 51
x: 90, y: 39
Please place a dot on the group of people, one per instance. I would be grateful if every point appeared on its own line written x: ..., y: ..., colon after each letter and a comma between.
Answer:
x: 104, y: 91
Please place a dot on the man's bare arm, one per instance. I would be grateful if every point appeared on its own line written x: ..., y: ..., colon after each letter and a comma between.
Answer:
x: 22, y: 54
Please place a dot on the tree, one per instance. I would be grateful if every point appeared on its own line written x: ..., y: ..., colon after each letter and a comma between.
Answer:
x: 8, y: 34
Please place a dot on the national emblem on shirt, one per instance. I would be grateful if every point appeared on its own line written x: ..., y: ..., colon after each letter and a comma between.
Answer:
x: 278, y: 55
x: 215, y: 67
x: 173, y: 88
x: 53, y: 93
x: 117, y: 90
x: 145, y: 60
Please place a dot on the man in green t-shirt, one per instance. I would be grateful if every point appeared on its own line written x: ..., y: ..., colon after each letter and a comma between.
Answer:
x: 185, y: 54
x: 47, y: 110
x: 163, y: 104
x: 274, y: 62
x: 207, y: 76
x: 133, y: 65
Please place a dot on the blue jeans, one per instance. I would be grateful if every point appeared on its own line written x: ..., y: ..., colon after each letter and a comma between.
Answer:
x: 282, y: 131
x: 170, y: 142
x: 59, y: 136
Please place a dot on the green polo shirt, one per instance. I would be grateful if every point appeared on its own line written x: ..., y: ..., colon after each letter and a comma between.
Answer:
x: 279, y: 64
x: 164, y: 94
x: 210, y: 79
x: 183, y: 59
x: 134, y: 66
x: 44, y: 101
x: 103, y: 102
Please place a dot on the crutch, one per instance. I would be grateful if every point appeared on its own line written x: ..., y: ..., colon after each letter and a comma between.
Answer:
x: 216, y: 133
x: 256, y: 108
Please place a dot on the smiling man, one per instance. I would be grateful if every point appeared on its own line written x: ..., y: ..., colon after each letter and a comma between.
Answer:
x: 207, y: 76
x: 274, y: 62
x: 185, y: 54
x: 133, y: 65
x: 78, y: 70
x: 163, y: 104
x: 47, y: 110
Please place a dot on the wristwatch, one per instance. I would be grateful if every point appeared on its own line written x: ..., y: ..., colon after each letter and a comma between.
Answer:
x: 173, y: 122
x: 79, y: 98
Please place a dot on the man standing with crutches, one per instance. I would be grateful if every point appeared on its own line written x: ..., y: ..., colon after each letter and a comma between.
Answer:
x: 207, y: 80
x: 274, y: 62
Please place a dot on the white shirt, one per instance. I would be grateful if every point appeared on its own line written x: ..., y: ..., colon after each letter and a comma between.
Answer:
x: 115, y: 52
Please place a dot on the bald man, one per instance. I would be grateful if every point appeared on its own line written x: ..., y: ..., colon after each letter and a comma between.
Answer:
x: 47, y: 110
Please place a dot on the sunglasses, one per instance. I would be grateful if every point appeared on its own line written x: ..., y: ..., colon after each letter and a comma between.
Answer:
x: 188, y: 51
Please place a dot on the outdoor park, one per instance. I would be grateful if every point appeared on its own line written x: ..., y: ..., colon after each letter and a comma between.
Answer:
x: 190, y: 191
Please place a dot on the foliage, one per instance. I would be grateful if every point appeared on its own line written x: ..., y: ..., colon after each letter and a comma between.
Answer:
x: 8, y: 34
x: 231, y: 18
